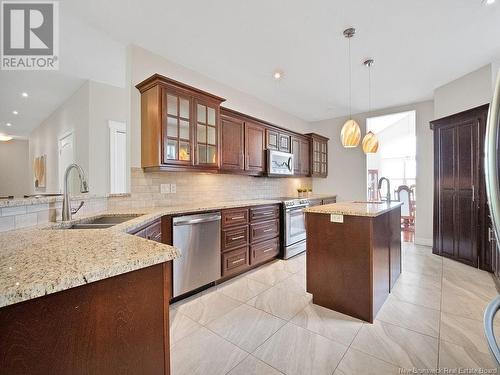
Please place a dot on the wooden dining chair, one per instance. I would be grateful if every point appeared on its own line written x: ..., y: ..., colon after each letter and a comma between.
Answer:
x: 404, y: 195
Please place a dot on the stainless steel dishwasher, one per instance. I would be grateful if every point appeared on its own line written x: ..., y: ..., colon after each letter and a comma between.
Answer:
x: 198, y: 239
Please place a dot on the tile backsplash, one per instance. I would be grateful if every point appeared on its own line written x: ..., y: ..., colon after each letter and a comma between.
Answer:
x: 192, y: 187
x: 30, y: 212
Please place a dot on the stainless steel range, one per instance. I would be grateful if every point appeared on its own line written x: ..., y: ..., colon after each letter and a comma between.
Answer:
x: 294, y: 230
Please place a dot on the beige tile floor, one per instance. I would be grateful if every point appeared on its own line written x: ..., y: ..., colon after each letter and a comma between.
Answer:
x: 264, y: 322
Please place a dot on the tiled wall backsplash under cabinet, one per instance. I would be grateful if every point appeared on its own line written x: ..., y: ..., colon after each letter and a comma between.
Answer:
x: 192, y: 187
x: 27, y: 215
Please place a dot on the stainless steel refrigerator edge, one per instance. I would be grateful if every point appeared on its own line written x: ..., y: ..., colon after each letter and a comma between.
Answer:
x: 198, y: 238
x: 493, y: 194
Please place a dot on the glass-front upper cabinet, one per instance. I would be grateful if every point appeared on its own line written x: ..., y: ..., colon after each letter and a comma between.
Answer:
x: 177, y: 133
x: 179, y: 126
x: 319, y: 155
x: 206, y: 134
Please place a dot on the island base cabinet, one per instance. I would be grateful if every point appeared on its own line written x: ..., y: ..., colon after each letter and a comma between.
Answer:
x: 118, y: 325
x: 349, y: 263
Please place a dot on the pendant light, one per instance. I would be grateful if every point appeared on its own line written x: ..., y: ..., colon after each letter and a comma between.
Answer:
x: 370, y: 141
x: 350, y: 134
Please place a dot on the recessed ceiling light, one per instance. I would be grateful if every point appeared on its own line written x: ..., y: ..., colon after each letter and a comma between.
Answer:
x: 24, y: 94
x: 488, y: 2
x: 14, y: 112
x: 8, y: 124
x: 277, y: 75
x: 5, y: 138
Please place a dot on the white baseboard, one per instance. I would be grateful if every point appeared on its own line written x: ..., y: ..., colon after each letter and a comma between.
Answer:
x: 423, y: 241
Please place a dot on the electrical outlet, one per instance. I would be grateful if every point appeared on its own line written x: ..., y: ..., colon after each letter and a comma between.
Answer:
x: 173, y: 188
x: 165, y: 188
x: 336, y: 218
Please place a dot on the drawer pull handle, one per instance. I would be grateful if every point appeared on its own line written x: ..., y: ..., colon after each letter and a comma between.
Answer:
x: 268, y: 230
x: 267, y: 213
x: 237, y: 217
x: 267, y: 250
x: 238, y: 261
x: 237, y: 238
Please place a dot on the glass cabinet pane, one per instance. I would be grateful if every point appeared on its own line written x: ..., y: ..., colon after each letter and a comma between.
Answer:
x: 184, y: 129
x: 202, y: 154
x: 184, y: 108
x: 211, y: 116
x: 211, y: 136
x: 172, y: 104
x: 172, y: 127
x: 171, y: 149
x: 212, y: 154
x: 184, y: 151
x: 202, y: 134
x: 202, y: 113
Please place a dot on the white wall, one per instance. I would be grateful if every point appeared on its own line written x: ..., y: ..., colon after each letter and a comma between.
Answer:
x: 347, y: 167
x: 466, y: 92
x: 14, y: 168
x: 71, y: 116
x: 106, y: 103
x: 143, y: 64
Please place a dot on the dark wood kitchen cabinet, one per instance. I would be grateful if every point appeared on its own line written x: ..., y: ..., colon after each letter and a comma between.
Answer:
x: 460, y: 212
x: 318, y: 155
x: 232, y: 144
x: 301, y: 155
x: 179, y: 126
x: 255, y: 157
x: 250, y: 236
x: 113, y: 326
x: 277, y: 140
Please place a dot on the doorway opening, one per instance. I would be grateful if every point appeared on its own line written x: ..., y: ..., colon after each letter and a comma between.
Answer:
x: 396, y: 161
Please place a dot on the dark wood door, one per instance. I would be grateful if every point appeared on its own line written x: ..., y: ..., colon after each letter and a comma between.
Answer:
x: 255, y: 148
x: 459, y: 187
x: 232, y: 144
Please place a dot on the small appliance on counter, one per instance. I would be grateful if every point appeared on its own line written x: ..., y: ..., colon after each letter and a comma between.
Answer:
x: 279, y: 163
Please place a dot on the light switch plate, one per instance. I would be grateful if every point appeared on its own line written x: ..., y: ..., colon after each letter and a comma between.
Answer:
x: 336, y: 218
x: 165, y: 188
x: 173, y: 188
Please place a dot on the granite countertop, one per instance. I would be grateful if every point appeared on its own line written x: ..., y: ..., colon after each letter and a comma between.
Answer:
x: 47, y: 259
x: 369, y: 209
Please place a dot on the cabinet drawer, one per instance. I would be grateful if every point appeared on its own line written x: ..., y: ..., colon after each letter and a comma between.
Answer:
x: 234, y: 237
x: 264, y: 230
x: 235, y: 261
x: 235, y: 216
x: 264, y: 250
x: 264, y: 213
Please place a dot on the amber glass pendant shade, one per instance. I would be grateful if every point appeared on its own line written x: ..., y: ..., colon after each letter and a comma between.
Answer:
x: 370, y: 143
x: 350, y: 134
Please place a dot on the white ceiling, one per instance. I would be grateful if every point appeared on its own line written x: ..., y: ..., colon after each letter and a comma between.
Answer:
x: 379, y: 123
x: 417, y: 45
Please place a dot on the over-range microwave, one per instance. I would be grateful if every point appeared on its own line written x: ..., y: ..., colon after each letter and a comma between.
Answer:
x: 279, y: 163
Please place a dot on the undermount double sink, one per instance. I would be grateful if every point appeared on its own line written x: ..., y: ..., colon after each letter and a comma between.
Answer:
x: 101, y: 222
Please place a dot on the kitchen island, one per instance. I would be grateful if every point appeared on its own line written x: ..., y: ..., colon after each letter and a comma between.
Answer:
x: 353, y: 255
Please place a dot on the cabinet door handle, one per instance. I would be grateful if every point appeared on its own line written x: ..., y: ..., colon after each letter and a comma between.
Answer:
x: 238, y: 261
x: 237, y: 217
x: 237, y: 238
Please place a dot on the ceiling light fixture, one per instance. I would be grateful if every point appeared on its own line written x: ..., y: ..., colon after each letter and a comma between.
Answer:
x: 370, y: 141
x: 277, y: 75
x: 24, y: 94
x: 488, y: 2
x: 8, y: 124
x: 5, y: 138
x: 350, y: 134
x: 14, y: 112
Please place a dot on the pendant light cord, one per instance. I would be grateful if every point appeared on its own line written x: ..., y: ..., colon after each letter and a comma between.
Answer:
x: 369, y: 88
x: 350, y: 75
